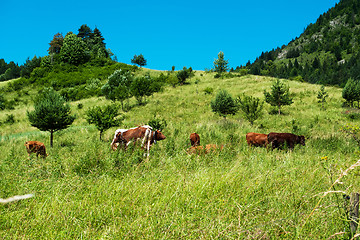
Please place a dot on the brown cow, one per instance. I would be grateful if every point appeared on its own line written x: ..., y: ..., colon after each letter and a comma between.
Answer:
x: 124, y: 137
x: 36, y: 147
x: 256, y: 139
x: 208, y: 148
x: 279, y: 140
x: 194, y: 139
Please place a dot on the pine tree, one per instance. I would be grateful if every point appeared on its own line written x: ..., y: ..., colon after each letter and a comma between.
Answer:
x: 279, y: 95
x: 51, y: 113
x: 251, y: 107
x: 220, y: 64
x: 56, y: 44
x: 224, y: 104
x: 322, y: 95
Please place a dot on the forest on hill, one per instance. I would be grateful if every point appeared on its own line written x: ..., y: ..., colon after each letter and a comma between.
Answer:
x: 327, y: 52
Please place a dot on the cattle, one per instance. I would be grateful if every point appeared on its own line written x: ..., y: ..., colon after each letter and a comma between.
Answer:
x: 194, y: 139
x: 201, y: 150
x: 124, y: 137
x: 257, y: 139
x: 279, y: 140
x: 36, y: 147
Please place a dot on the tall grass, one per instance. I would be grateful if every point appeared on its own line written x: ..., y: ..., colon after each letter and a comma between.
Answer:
x: 85, y: 190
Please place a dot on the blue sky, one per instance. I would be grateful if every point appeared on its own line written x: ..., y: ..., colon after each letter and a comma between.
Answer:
x: 167, y: 33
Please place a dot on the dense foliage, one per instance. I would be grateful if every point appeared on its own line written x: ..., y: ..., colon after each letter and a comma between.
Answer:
x: 51, y: 113
x: 224, y: 104
x: 104, y: 117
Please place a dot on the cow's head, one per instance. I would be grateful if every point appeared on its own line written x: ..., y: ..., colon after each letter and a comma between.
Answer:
x: 159, y: 135
x: 302, y: 140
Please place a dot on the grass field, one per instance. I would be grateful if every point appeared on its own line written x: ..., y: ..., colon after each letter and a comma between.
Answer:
x: 83, y: 190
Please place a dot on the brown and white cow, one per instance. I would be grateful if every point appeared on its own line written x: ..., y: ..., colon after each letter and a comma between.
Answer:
x: 124, y: 137
x: 279, y: 140
x: 36, y: 147
x: 194, y: 139
x: 201, y: 150
x: 256, y: 139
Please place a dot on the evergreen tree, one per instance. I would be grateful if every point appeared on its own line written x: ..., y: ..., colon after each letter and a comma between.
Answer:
x: 251, y: 107
x: 85, y: 33
x: 104, y: 117
x: 56, y: 44
x: 224, y: 104
x: 220, y: 64
x: 322, y: 95
x: 51, y: 113
x: 279, y: 95
x: 29, y: 66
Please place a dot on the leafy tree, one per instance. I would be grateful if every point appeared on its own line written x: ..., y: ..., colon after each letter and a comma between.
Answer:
x: 279, y: 95
x: 74, y: 50
x: 139, y: 60
x: 141, y: 87
x: 51, y: 113
x: 103, y: 117
x: 251, y: 107
x: 182, y: 75
x: 224, y: 104
x: 322, y: 95
x: 118, y: 86
x: 220, y: 64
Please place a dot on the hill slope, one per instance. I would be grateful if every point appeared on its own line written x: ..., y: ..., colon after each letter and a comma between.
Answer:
x: 84, y: 190
x: 328, y: 51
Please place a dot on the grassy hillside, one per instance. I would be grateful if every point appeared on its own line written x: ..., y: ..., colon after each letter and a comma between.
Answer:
x: 84, y: 190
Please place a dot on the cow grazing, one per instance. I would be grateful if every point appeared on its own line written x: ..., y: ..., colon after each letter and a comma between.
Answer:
x: 194, y: 139
x: 279, y: 140
x: 124, y: 137
x: 36, y: 147
x: 201, y: 150
x: 257, y: 139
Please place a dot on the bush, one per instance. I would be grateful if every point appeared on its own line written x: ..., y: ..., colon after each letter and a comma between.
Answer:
x: 10, y: 119
x: 208, y: 90
x: 157, y: 123
x: 224, y: 104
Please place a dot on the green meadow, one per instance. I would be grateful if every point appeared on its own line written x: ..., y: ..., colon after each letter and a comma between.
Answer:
x: 84, y: 190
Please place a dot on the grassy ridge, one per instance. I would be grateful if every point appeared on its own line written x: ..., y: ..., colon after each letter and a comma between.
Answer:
x: 84, y: 190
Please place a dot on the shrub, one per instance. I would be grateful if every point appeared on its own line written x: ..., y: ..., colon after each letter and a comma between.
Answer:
x: 208, y: 90
x: 251, y: 107
x: 224, y: 104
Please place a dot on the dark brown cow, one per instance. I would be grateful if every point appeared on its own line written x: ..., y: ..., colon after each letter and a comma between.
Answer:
x: 208, y: 148
x: 36, y: 147
x: 257, y: 139
x: 124, y: 137
x: 279, y: 140
x: 194, y: 139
